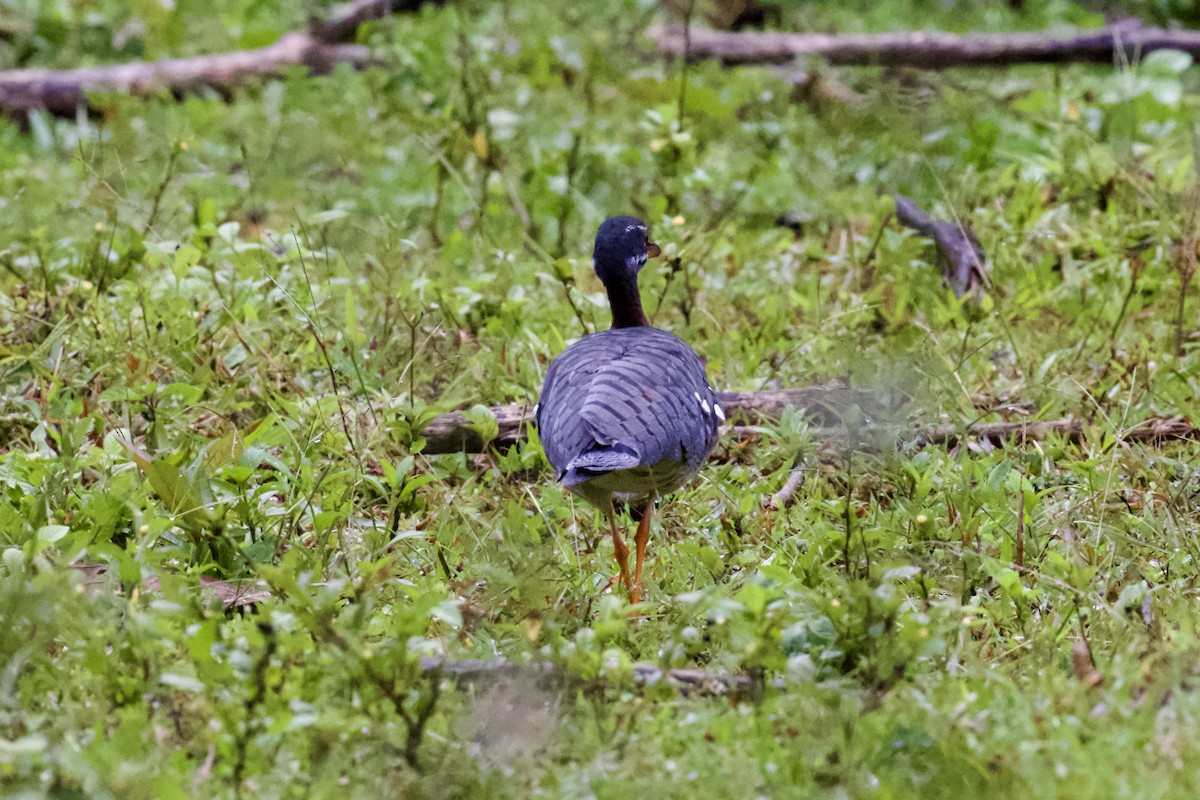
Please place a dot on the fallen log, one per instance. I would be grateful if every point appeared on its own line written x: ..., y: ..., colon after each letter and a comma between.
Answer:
x: 825, y: 405
x: 63, y: 92
x: 826, y: 408
x: 926, y: 49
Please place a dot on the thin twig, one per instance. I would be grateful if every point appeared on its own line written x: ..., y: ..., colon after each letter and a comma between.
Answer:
x: 686, y: 58
x: 783, y: 498
x: 162, y: 188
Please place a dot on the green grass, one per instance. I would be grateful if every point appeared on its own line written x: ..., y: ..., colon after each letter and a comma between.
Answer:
x: 223, y: 326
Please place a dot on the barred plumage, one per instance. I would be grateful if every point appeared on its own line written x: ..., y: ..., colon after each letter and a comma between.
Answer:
x: 627, y: 415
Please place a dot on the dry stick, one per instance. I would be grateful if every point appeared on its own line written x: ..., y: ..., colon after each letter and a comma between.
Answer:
x: 1186, y: 267
x: 1019, y: 556
x: 783, y: 498
x: 1185, y: 259
x: 160, y: 191
x: 925, y: 49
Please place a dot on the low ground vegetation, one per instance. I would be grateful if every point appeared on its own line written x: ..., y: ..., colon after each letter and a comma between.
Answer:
x: 225, y: 322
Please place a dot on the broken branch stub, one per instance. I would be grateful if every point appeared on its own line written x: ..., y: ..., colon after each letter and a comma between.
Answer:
x: 963, y: 262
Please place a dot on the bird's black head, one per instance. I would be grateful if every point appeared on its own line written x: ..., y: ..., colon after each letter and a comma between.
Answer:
x: 622, y: 247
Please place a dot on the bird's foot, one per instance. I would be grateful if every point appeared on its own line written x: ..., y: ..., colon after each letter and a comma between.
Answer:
x: 613, y: 581
x: 635, y: 594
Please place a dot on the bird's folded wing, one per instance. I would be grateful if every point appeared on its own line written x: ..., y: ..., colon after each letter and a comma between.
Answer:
x: 644, y: 393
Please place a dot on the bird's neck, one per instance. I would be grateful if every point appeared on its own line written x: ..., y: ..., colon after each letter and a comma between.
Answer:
x: 626, y: 302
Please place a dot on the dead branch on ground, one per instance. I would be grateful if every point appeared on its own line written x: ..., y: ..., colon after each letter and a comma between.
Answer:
x: 927, y: 49
x: 64, y: 92
x: 963, y: 262
x: 824, y: 406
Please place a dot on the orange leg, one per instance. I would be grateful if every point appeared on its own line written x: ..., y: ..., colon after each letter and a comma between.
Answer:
x: 620, y: 553
x: 643, y: 536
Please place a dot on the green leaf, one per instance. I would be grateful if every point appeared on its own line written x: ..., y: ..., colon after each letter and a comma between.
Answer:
x: 225, y: 451
x: 14, y: 560
x: 564, y: 269
x: 206, y: 212
x: 350, y: 311
x: 1166, y: 63
x: 25, y: 746
x: 260, y: 552
x: 186, y: 257
x: 753, y: 597
x: 481, y: 420
x: 184, y: 683
x: 325, y: 217
x: 897, y: 574
x: 1010, y: 581
x: 176, y: 491
x: 448, y: 611
x: 186, y: 392
x: 49, y: 534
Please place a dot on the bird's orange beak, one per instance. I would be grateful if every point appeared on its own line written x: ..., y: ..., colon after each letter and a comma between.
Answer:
x: 653, y: 250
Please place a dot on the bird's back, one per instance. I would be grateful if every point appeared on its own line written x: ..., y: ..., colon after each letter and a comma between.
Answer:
x: 628, y: 412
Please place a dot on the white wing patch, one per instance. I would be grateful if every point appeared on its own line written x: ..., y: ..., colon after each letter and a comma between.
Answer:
x: 720, y: 412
